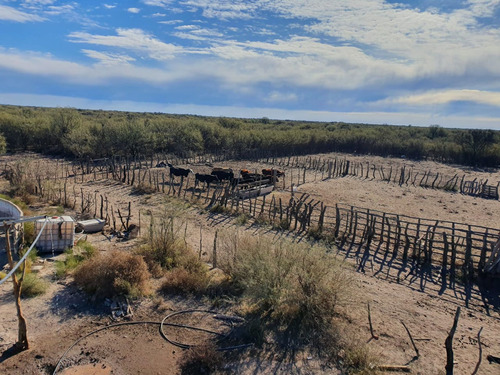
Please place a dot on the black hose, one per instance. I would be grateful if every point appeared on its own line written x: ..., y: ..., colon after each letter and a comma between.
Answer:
x: 161, y: 324
x: 187, y: 346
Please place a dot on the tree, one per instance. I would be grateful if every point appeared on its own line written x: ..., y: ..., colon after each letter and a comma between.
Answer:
x: 22, y: 339
x: 475, y: 143
x: 3, y: 144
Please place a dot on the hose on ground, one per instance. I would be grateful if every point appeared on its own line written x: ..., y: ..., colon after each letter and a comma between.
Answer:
x: 162, y: 324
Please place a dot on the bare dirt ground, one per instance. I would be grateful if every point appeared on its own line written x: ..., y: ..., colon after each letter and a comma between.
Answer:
x: 65, y: 314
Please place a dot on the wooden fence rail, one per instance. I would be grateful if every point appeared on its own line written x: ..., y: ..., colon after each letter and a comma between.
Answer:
x: 458, y: 249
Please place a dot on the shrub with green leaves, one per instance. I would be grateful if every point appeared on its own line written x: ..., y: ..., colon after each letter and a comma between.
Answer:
x: 293, y: 284
x: 82, y: 251
x: 33, y: 285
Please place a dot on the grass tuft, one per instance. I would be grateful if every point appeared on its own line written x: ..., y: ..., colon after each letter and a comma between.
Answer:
x: 82, y: 251
x: 33, y: 286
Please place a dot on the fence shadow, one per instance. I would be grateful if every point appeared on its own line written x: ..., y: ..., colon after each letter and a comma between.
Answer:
x: 480, y: 292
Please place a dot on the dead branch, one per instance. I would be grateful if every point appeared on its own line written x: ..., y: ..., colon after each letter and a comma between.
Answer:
x: 449, y: 344
x: 370, y: 322
x: 480, y: 351
x: 411, y: 339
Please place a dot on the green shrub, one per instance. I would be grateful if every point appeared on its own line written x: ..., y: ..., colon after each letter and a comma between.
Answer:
x: 116, y: 273
x: 33, y: 285
x: 242, y: 219
x: 82, y: 251
x: 29, y: 232
x: 295, y: 285
x: 2, y: 275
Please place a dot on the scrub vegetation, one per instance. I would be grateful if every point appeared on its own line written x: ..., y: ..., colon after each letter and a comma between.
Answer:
x: 95, y: 134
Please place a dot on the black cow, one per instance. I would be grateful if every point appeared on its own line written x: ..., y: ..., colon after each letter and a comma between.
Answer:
x: 272, y: 172
x: 247, y: 176
x: 175, y: 171
x: 161, y: 164
x: 206, y: 178
x: 223, y: 173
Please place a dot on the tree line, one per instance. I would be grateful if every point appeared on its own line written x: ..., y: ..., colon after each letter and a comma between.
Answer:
x: 96, y: 133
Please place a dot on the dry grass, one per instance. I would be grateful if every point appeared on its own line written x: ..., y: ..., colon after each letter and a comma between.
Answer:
x: 33, y: 286
x: 296, y: 286
x: 163, y: 248
x: 190, y: 276
x: 116, y: 273
x: 202, y: 359
x: 143, y: 188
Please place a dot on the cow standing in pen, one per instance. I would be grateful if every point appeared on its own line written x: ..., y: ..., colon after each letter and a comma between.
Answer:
x: 206, y: 178
x: 223, y: 174
x: 177, y: 171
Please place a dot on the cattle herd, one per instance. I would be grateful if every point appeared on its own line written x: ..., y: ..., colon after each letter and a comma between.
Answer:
x: 245, y: 177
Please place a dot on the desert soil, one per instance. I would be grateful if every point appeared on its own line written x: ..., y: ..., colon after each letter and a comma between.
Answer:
x: 64, y: 314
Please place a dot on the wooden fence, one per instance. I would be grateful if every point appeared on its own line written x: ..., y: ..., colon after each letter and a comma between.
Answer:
x: 402, y: 175
x: 457, y: 249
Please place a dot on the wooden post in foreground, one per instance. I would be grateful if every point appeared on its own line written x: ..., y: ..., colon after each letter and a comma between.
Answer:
x: 22, y: 338
x: 449, y: 344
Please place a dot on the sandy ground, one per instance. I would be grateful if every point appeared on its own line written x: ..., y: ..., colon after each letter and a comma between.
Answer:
x: 64, y: 314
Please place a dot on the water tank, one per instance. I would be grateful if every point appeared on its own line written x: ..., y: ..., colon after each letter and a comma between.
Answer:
x: 58, y: 235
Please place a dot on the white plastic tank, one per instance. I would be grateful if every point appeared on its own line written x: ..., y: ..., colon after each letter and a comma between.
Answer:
x: 58, y: 235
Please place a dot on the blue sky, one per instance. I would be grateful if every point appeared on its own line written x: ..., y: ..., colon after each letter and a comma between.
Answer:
x: 396, y: 62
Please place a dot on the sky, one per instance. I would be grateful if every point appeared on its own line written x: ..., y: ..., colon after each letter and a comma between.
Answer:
x: 422, y: 62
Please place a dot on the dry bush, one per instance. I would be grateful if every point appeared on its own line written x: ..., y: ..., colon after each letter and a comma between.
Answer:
x: 163, y: 249
x: 143, y: 188
x: 180, y: 280
x: 202, y: 359
x: 17, y: 176
x: 116, y: 273
x: 356, y: 358
x: 190, y: 276
x: 296, y: 285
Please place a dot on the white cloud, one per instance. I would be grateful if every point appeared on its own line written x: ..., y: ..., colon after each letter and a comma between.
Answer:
x: 108, y: 6
x: 133, y: 10
x: 157, y: 3
x: 225, y: 9
x: 132, y: 39
x: 276, y: 96
x: 11, y: 14
x: 57, y: 10
x: 39, y: 2
x: 40, y: 65
x: 108, y: 58
x: 187, y: 27
x: 171, y: 22
x: 449, y: 96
